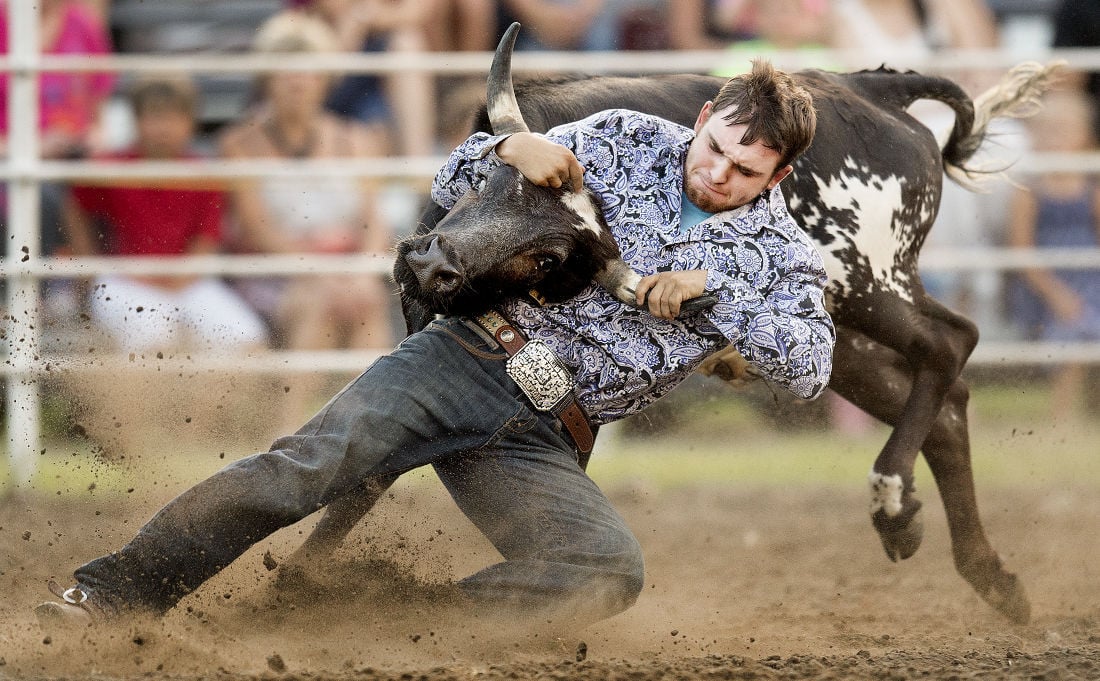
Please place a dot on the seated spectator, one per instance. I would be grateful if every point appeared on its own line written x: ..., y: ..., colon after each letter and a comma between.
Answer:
x: 601, y: 25
x: 710, y: 24
x: 69, y: 103
x: 159, y: 313
x: 1077, y: 25
x: 304, y: 215
x: 1059, y: 210
x: 462, y: 25
x: 458, y: 26
x: 400, y: 106
x: 101, y: 8
x: 804, y: 27
x: 905, y: 32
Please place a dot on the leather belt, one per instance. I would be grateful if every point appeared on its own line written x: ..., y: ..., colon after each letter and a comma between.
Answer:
x: 542, y: 376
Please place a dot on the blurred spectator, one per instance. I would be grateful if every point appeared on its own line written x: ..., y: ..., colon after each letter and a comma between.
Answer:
x: 101, y: 8
x: 1077, y: 24
x: 1060, y: 210
x: 977, y: 219
x: 159, y: 313
x: 802, y: 26
x: 303, y: 215
x: 882, y: 28
x: 958, y: 24
x: 457, y: 25
x: 602, y: 25
x: 968, y: 219
x: 904, y: 32
x: 461, y: 25
x: 403, y: 104
x: 69, y: 103
x: 460, y: 103
x: 710, y: 24
x: 792, y: 25
x: 971, y: 218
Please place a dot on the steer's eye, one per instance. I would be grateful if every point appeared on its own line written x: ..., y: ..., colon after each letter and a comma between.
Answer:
x: 547, y: 263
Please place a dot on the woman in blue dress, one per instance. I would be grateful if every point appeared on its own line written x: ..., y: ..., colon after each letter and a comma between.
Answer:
x: 1060, y: 210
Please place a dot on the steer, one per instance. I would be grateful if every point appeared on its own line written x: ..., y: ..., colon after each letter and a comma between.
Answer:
x: 867, y: 192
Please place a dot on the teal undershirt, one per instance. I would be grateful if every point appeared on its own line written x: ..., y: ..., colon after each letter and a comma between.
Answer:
x: 690, y: 214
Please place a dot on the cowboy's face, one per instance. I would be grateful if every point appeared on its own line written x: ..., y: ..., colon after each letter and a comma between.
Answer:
x: 720, y: 173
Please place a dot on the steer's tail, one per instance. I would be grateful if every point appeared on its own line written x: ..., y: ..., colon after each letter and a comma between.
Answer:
x: 1016, y: 96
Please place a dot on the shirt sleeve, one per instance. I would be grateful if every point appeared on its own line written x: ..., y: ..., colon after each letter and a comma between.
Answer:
x: 472, y: 161
x: 90, y: 199
x: 771, y: 304
x: 467, y: 167
x: 209, y: 208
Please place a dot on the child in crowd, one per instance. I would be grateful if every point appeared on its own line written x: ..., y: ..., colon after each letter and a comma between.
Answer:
x: 159, y: 313
x: 1060, y: 210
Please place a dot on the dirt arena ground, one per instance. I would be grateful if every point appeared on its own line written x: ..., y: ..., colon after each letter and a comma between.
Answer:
x: 745, y: 580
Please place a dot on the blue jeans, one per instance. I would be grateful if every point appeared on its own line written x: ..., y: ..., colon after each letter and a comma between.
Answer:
x: 441, y: 398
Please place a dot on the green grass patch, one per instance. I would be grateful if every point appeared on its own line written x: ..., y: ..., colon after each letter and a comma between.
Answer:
x: 703, y: 436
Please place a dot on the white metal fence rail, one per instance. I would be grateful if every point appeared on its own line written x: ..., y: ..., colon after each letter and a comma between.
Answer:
x: 23, y: 266
x: 22, y: 398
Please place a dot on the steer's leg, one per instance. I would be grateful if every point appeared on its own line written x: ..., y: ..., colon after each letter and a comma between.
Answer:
x: 947, y: 451
x: 879, y: 381
x: 933, y: 343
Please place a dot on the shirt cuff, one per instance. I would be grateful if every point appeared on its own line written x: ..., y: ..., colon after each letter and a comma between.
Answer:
x: 489, y: 146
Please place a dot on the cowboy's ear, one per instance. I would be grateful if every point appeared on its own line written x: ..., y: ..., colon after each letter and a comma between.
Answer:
x: 779, y: 175
x: 704, y: 116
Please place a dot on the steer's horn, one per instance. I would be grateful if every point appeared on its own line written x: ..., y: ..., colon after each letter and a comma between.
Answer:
x: 504, y: 114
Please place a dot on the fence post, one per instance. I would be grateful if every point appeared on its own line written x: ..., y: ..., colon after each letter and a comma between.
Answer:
x: 23, y: 245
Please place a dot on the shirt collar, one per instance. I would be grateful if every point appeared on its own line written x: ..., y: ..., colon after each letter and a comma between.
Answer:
x: 747, y: 219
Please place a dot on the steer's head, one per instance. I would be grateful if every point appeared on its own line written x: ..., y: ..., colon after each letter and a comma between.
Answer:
x: 510, y: 237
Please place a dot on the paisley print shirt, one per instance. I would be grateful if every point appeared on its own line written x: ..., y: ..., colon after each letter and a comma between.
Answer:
x: 767, y: 275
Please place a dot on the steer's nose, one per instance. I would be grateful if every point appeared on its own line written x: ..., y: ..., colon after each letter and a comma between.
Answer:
x: 434, y: 271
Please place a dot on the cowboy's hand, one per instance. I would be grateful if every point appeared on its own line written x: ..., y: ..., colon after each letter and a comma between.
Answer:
x: 666, y: 290
x: 541, y: 161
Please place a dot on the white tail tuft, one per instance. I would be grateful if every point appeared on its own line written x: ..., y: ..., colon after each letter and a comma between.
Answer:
x: 1017, y: 95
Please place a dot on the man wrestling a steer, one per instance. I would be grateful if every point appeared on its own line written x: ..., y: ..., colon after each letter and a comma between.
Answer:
x: 504, y: 404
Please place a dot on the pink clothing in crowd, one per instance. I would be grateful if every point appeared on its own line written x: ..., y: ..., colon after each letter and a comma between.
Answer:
x: 69, y: 101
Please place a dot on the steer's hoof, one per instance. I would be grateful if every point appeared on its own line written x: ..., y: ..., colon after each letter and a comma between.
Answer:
x: 999, y: 588
x: 1008, y: 597
x: 901, y: 534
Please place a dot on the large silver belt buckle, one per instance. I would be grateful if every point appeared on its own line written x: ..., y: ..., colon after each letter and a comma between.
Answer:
x: 540, y: 374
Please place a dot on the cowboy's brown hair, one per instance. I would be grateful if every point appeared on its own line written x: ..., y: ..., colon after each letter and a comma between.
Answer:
x: 779, y: 112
